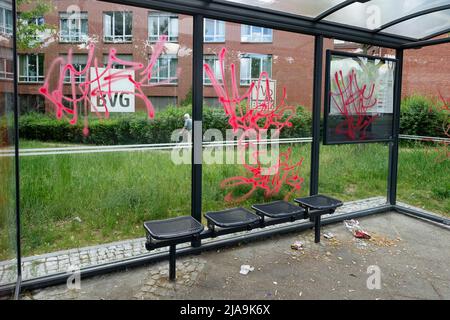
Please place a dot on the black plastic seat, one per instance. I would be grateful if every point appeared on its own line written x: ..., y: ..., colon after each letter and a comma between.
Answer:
x: 173, y: 228
x: 315, y: 207
x: 279, y: 209
x: 319, y: 202
x: 235, y: 217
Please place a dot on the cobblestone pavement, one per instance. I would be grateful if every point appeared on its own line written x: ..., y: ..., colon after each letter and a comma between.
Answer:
x: 64, y: 261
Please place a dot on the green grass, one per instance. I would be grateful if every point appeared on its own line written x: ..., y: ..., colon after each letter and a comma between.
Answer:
x: 114, y: 193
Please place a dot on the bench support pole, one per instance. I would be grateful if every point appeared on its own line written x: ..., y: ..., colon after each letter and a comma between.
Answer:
x: 172, y: 262
x: 317, y: 229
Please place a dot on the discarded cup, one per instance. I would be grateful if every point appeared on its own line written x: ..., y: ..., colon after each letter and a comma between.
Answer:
x: 245, y: 269
x: 297, y: 245
x: 361, y: 234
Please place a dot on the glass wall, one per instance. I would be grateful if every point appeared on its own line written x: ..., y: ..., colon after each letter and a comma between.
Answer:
x: 424, y: 170
x: 105, y: 131
x: 257, y: 115
x: 8, y: 230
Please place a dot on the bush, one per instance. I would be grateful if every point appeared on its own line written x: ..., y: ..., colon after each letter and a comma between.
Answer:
x: 137, y: 128
x: 421, y: 116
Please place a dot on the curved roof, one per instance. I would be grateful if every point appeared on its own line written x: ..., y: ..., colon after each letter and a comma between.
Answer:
x: 415, y: 20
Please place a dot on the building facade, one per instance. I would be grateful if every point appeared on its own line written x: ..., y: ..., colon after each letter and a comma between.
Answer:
x: 133, y: 33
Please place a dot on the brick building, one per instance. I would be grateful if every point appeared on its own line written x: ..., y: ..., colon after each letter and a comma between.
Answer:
x: 132, y: 32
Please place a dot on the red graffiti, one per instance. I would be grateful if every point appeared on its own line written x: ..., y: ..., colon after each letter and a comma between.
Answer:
x: 257, y: 118
x: 284, y: 172
x: 354, y: 102
x: 81, y: 91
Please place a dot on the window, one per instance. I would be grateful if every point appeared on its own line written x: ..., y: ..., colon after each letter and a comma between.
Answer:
x: 165, y: 70
x: 214, y: 30
x: 255, y: 34
x: 6, y: 69
x: 79, y: 62
x: 31, y: 68
x: 6, y: 21
x: 73, y: 27
x: 30, y: 103
x: 38, y: 21
x: 252, y: 65
x: 117, y: 26
x: 161, y: 103
x: 125, y: 57
x: 6, y: 64
x: 160, y: 24
x: 214, y: 63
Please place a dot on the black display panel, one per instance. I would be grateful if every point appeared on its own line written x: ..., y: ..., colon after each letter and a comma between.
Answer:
x: 359, y: 98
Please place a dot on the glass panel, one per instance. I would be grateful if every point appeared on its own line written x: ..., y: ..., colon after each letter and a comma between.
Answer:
x: 373, y: 14
x: 8, y: 230
x: 105, y: 156
x: 422, y: 26
x: 424, y: 163
x: 118, y: 27
x: 240, y: 174
x: 309, y: 8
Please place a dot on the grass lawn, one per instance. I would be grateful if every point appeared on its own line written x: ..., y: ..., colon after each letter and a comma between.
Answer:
x: 76, y: 200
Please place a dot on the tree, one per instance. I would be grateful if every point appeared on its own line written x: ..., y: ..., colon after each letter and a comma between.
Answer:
x: 31, y: 31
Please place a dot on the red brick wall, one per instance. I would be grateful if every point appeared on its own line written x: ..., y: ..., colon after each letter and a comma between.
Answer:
x: 427, y: 71
x: 292, y: 53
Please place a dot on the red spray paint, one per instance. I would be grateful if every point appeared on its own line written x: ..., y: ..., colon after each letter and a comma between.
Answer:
x: 81, y: 93
x: 265, y: 115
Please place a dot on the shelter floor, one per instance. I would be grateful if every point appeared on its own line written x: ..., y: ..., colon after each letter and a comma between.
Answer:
x: 412, y: 255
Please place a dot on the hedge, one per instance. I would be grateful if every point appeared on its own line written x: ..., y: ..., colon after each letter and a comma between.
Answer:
x: 422, y: 116
x: 419, y: 116
x: 137, y: 128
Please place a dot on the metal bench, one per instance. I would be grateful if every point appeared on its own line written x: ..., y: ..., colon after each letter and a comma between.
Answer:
x: 315, y: 207
x: 174, y: 231
x: 232, y: 218
x: 280, y: 210
x: 170, y: 232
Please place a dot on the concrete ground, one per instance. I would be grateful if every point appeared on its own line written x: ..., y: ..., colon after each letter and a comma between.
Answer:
x: 412, y: 255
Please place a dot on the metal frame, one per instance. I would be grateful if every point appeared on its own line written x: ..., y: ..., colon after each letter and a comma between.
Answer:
x: 222, y: 10
x: 327, y: 104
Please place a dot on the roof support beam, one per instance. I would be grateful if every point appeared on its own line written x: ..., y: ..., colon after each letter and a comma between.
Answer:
x: 426, y: 43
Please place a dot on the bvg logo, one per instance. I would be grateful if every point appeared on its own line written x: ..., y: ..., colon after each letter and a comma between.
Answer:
x: 115, y: 100
x: 113, y: 91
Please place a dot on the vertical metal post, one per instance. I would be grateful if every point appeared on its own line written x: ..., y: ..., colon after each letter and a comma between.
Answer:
x: 16, y: 152
x: 197, y: 116
x: 172, y: 262
x: 393, y: 146
x: 317, y: 228
x: 317, y: 106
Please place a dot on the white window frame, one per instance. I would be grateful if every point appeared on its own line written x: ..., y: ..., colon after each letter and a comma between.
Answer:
x: 79, y: 67
x: 5, y: 75
x: 216, y: 37
x: 4, y: 27
x: 215, y: 67
x: 74, y: 36
x: 251, y: 56
x: 254, y: 37
x: 172, y: 35
x: 113, y: 37
x: 156, y: 77
x: 40, y: 73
